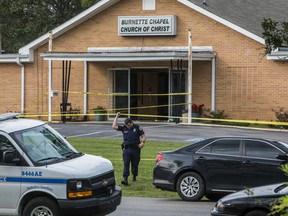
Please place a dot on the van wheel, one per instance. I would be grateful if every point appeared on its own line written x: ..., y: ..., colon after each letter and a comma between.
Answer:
x: 190, y: 186
x: 257, y: 213
x: 41, y: 206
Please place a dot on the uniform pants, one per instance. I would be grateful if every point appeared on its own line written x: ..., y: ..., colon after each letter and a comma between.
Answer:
x: 131, y: 155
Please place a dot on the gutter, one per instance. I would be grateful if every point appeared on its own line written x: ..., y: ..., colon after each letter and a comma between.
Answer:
x: 13, y: 58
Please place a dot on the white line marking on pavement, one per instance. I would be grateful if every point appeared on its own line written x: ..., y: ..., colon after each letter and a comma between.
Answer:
x: 87, y: 134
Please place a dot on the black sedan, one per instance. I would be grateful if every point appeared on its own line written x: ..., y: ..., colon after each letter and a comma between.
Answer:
x: 217, y: 166
x: 251, y: 202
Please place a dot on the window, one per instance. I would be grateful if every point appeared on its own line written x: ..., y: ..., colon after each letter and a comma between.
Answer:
x: 206, y: 149
x: 260, y: 149
x: 149, y: 4
x: 223, y: 147
x: 5, y: 145
x: 42, y: 145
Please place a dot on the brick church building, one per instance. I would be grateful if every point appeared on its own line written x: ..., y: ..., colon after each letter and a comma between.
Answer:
x: 151, y: 59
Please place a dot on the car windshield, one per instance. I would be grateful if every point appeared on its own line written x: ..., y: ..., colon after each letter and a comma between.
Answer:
x: 44, y: 145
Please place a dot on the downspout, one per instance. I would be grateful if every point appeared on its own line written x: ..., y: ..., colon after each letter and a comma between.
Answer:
x: 213, y: 87
x: 85, y: 88
x: 189, y: 76
x: 22, y: 84
x: 50, y: 95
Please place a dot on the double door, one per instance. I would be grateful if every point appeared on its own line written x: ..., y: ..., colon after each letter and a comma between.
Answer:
x: 145, y: 93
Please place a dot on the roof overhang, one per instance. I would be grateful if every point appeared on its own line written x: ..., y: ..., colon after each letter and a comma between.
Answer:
x: 134, y: 54
x: 75, y: 21
x: 15, y: 58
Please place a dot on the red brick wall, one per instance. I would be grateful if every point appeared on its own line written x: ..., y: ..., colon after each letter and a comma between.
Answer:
x: 247, y: 87
x: 10, y: 94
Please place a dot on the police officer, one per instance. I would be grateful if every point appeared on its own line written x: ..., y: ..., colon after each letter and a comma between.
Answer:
x: 133, y: 141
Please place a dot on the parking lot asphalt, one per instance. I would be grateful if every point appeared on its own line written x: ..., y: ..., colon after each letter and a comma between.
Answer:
x: 164, y: 131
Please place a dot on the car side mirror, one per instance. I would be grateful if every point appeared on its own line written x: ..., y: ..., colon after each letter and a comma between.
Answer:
x: 282, y: 156
x: 9, y: 157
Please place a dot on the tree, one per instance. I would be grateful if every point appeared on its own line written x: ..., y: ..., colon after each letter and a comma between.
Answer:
x: 22, y: 21
x: 275, y: 34
x: 88, y: 3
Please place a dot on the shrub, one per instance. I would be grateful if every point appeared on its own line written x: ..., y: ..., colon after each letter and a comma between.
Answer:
x: 75, y: 111
x: 281, y: 116
x: 219, y: 114
x: 99, y: 109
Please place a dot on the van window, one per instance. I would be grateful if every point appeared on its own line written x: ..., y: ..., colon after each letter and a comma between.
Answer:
x: 5, y: 145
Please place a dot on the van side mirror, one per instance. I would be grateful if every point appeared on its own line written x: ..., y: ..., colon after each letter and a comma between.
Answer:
x: 282, y: 156
x: 9, y: 157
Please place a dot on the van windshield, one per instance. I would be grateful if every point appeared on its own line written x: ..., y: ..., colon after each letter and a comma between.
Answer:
x: 44, y: 145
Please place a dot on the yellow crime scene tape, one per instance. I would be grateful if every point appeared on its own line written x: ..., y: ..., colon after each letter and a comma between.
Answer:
x: 111, y: 112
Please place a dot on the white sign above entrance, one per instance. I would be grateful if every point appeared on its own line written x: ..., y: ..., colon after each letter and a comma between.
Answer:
x: 146, y: 25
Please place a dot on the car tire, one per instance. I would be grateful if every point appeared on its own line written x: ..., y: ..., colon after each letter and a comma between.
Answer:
x: 41, y: 206
x: 257, y: 213
x: 190, y: 186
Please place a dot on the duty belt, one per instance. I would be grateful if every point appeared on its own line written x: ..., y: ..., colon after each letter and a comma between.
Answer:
x: 130, y: 146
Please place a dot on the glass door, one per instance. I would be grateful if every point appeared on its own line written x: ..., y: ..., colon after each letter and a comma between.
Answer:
x: 119, y: 91
x: 176, y: 85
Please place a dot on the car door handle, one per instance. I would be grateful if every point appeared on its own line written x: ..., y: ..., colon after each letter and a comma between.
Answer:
x: 201, y: 158
x: 248, y: 162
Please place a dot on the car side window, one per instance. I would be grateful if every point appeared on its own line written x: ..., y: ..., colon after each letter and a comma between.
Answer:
x: 5, y: 145
x: 223, y: 147
x: 254, y: 148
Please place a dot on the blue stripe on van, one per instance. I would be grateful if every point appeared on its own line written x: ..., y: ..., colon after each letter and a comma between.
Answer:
x: 36, y: 180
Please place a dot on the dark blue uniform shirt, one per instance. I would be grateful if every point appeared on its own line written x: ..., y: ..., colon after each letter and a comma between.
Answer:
x: 131, y: 136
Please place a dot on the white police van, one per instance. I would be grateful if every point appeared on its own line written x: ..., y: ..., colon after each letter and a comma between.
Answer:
x: 42, y: 174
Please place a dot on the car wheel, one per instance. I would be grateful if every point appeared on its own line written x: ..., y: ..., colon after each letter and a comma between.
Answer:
x: 257, y: 213
x: 41, y: 206
x: 190, y: 186
x: 213, y: 197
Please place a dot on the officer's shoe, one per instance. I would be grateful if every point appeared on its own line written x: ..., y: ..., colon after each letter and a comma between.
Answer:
x: 125, y: 181
x: 134, y: 178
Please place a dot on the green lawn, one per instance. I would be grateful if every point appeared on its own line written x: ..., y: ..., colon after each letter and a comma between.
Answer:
x: 110, y: 149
